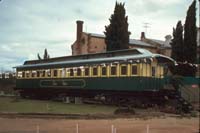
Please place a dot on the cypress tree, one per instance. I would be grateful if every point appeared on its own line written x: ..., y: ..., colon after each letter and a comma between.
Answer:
x: 190, y: 40
x: 46, y: 55
x: 117, y: 34
x: 177, y: 50
x: 190, y: 35
x: 39, y: 58
x: 177, y: 43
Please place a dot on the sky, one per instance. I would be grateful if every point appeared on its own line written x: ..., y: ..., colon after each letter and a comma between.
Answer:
x: 27, y: 27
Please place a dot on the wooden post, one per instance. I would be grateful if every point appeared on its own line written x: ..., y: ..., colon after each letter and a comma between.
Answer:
x: 76, y: 128
x: 37, y: 129
x: 147, y: 128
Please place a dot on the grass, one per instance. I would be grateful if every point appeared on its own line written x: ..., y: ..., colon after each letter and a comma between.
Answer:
x: 9, y: 104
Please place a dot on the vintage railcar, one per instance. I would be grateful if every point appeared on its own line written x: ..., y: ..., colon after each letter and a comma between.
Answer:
x: 129, y: 73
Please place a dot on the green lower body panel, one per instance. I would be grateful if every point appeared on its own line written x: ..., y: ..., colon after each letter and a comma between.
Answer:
x: 96, y: 83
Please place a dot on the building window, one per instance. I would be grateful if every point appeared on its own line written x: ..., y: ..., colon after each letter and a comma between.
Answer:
x: 103, y: 71
x: 86, y: 71
x: 134, y: 70
x: 123, y: 70
x: 113, y: 70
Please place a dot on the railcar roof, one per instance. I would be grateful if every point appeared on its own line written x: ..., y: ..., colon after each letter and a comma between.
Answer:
x: 141, y: 54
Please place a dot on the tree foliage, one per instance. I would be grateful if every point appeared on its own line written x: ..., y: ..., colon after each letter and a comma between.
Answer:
x: 177, y: 42
x: 190, y: 35
x: 184, y: 50
x: 117, y: 34
x: 46, y: 55
x: 39, y: 58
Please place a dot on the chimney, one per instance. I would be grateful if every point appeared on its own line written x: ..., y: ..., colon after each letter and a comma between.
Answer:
x: 79, y: 29
x: 142, y: 36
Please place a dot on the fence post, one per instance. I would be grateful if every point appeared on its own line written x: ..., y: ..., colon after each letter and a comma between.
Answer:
x: 147, y: 128
x: 38, y: 129
x: 112, y: 128
x: 77, y: 128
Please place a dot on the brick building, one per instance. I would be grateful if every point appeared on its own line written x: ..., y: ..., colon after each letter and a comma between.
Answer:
x: 94, y: 43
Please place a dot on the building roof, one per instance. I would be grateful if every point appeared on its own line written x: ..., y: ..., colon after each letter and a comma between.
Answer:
x: 138, y: 42
x: 131, y: 41
x: 160, y: 42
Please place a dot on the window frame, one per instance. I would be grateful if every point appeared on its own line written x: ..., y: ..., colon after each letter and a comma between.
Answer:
x: 136, y: 66
x: 123, y: 65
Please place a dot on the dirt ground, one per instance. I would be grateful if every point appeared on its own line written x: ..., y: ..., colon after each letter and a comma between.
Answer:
x: 133, y: 125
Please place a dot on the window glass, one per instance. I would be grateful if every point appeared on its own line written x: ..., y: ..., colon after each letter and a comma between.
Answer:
x: 33, y: 74
x: 113, y: 70
x: 103, y: 71
x: 55, y: 73
x: 86, y: 71
x: 23, y: 74
x: 19, y: 74
x: 78, y: 72
x: 43, y: 73
x: 95, y: 71
x: 134, y: 70
x: 123, y: 70
x: 38, y: 73
x: 153, y: 70
x: 27, y: 74
x: 48, y: 73
x: 71, y: 72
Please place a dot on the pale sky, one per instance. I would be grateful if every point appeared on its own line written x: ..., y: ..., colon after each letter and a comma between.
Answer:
x: 27, y: 27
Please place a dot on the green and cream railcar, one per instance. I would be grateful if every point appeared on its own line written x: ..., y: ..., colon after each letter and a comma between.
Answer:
x: 129, y: 71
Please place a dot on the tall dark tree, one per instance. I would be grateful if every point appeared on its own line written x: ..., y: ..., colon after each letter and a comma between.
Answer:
x: 117, y: 34
x: 39, y: 58
x: 190, y: 40
x: 177, y: 43
x: 190, y: 35
x: 177, y: 48
x: 46, y: 55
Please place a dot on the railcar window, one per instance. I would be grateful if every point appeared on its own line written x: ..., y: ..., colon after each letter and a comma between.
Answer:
x: 134, y: 70
x: 38, y: 73
x: 78, y: 72
x: 153, y: 70
x: 27, y: 74
x: 19, y: 74
x: 113, y: 70
x: 63, y: 72
x: 55, y: 73
x: 23, y: 74
x: 71, y: 72
x: 43, y: 73
x: 103, y: 71
x: 86, y: 71
x: 123, y: 70
x: 95, y: 71
x: 48, y: 73
x: 33, y: 74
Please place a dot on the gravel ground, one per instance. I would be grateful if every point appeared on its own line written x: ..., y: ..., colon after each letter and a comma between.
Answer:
x: 133, y: 125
